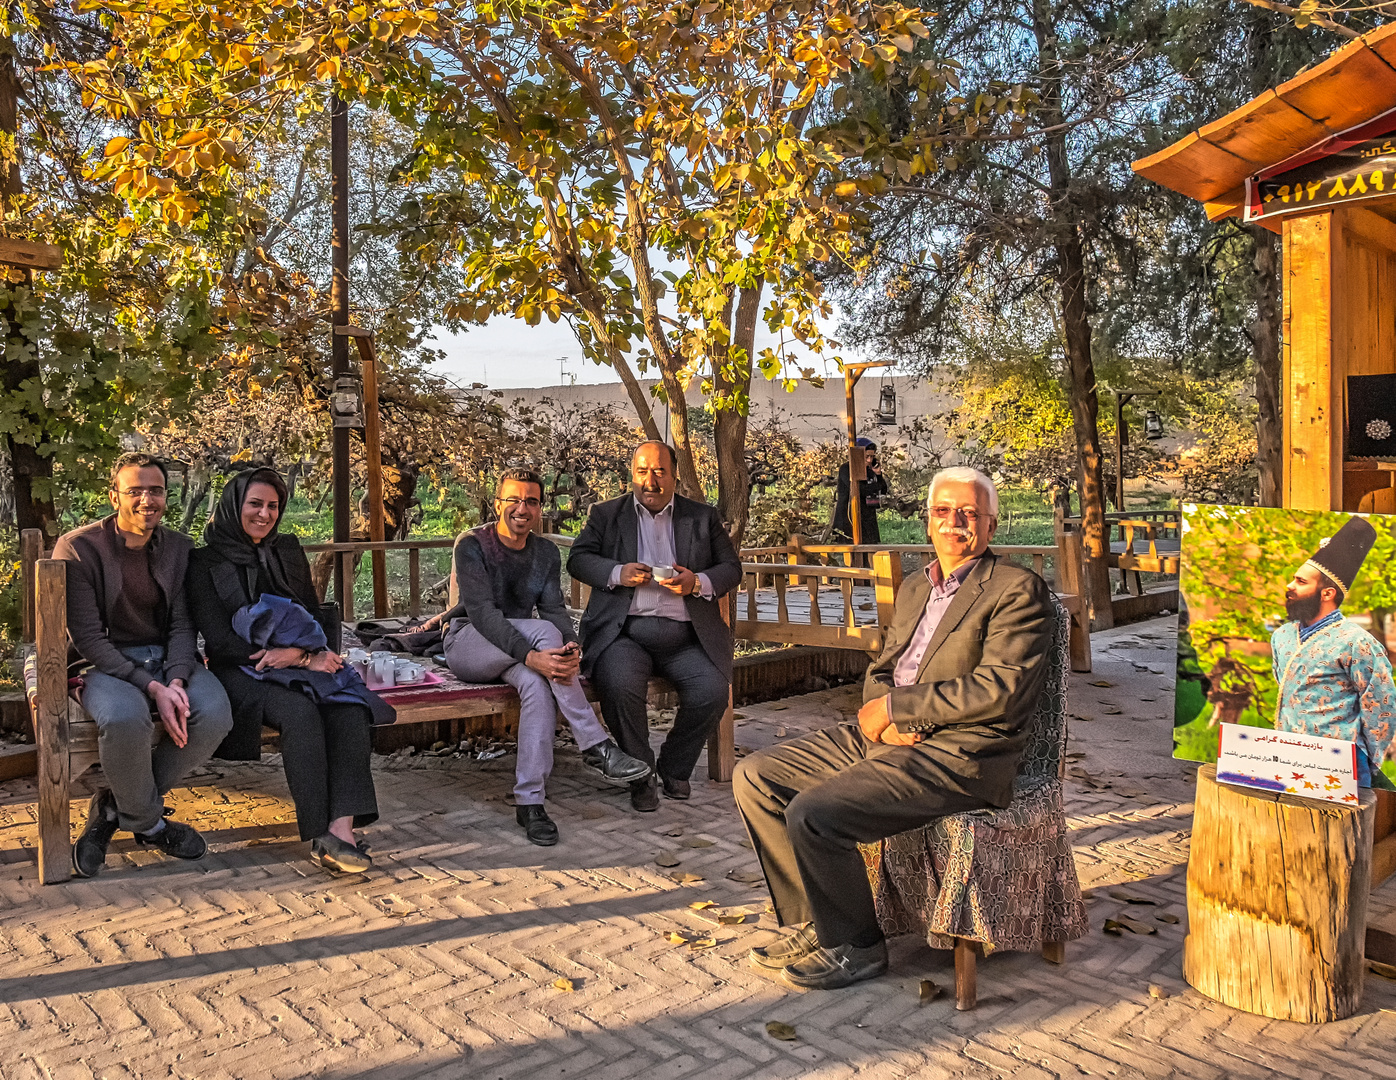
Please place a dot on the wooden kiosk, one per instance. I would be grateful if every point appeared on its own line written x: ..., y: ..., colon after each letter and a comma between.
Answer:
x: 1313, y: 160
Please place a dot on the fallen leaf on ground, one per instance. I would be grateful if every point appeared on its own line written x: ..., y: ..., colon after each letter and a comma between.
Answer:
x: 1101, y: 682
x: 747, y: 844
x: 780, y: 733
x: 666, y: 858
x: 929, y: 990
x: 731, y: 920
x: 685, y: 878
x: 784, y: 1032
x: 697, y: 841
x: 699, y: 905
x: 563, y: 984
x: 677, y: 830
x: 1156, y: 991
x: 1129, y: 897
x: 1087, y: 719
x: 746, y: 877
x: 1124, y: 922
x: 1386, y: 971
x: 1114, y: 712
x: 701, y: 943
x: 673, y: 937
x: 1167, y: 916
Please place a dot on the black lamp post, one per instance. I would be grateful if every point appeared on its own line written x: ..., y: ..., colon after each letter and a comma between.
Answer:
x: 1153, y: 429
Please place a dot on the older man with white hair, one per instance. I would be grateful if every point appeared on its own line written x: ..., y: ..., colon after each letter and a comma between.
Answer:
x: 942, y: 729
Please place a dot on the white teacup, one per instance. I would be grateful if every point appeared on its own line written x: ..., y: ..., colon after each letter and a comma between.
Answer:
x: 408, y: 671
x: 384, y: 669
x: 662, y: 573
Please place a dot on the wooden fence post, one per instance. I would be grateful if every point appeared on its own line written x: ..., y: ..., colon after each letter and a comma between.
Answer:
x: 887, y: 566
x: 722, y: 744
x: 51, y: 719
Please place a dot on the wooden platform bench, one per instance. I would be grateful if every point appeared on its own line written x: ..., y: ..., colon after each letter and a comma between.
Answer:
x: 66, y: 735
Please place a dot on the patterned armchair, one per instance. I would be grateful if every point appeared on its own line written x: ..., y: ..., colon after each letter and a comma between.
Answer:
x: 992, y: 879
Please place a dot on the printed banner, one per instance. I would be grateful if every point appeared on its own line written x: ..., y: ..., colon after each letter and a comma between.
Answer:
x: 1357, y: 164
x: 1288, y: 761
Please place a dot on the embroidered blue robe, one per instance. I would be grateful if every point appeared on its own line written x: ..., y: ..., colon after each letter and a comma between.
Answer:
x: 1336, y: 684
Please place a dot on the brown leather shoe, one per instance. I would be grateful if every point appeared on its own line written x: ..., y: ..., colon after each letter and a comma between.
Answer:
x: 644, y: 795
x: 676, y: 789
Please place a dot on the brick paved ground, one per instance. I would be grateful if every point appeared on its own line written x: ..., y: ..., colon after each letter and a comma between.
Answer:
x: 443, y: 962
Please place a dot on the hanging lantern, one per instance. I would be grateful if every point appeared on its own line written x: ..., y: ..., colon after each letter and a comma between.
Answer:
x: 1153, y: 426
x: 887, y: 405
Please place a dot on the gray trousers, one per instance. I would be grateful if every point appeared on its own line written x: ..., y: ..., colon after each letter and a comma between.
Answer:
x: 138, y: 775
x: 810, y: 802
x: 473, y: 658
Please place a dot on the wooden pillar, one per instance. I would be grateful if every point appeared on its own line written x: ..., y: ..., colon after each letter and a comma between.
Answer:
x: 1313, y: 402
x: 51, y: 719
x: 373, y: 460
x: 1277, y: 901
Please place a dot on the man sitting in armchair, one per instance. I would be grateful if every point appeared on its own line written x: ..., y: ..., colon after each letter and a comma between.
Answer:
x: 944, y: 723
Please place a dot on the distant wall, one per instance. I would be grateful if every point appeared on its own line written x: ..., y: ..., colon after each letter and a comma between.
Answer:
x: 813, y: 414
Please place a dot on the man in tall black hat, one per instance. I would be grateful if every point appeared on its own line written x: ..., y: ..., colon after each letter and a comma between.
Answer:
x: 1334, y: 677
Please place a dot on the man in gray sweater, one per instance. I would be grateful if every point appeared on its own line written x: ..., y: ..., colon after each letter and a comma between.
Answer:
x: 133, y: 642
x: 504, y: 573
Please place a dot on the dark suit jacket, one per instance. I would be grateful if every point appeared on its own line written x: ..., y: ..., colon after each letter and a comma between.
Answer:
x: 612, y: 537
x: 980, y: 678
x: 94, y: 585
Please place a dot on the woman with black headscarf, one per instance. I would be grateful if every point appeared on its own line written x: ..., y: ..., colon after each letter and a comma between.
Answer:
x: 324, y: 747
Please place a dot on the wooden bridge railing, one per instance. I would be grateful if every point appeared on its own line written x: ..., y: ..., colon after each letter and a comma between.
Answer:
x: 349, y: 552
x: 792, y: 569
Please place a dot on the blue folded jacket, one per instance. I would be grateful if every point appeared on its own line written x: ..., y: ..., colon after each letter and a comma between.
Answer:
x: 275, y: 622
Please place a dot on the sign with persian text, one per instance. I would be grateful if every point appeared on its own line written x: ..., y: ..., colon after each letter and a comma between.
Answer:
x: 1357, y: 164
x: 1289, y: 762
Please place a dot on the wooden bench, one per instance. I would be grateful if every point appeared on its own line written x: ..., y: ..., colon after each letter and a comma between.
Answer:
x: 66, y: 736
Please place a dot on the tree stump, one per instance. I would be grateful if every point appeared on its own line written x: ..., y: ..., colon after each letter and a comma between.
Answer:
x: 1277, y: 901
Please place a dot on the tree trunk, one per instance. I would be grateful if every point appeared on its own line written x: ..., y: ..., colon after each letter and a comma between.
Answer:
x: 730, y: 424
x: 32, y: 473
x: 689, y: 485
x: 1076, y: 327
x: 1277, y: 901
x: 1265, y: 344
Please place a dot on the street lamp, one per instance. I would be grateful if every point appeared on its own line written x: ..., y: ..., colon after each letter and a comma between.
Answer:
x: 1152, y: 423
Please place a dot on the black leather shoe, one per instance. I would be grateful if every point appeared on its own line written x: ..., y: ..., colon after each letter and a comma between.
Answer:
x: 676, y: 789
x: 177, y: 839
x: 537, y: 826
x: 339, y: 857
x: 785, y: 951
x: 90, y: 852
x: 832, y: 969
x: 614, y: 764
x: 644, y: 795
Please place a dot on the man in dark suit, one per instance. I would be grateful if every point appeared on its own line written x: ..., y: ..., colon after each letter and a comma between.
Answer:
x: 657, y: 563
x: 942, y: 729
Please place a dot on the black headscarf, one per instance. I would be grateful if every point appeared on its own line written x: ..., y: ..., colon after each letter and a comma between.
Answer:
x: 224, y: 535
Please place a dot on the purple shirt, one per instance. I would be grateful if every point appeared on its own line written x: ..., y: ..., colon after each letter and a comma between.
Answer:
x: 942, y: 593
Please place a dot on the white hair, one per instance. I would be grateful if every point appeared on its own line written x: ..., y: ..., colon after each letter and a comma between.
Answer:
x: 963, y: 474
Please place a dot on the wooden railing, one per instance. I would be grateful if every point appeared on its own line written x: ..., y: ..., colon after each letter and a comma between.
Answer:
x: 348, y: 552
x: 794, y: 569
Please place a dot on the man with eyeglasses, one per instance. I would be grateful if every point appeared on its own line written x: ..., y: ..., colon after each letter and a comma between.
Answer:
x: 504, y: 574
x: 133, y: 643
x: 943, y: 726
